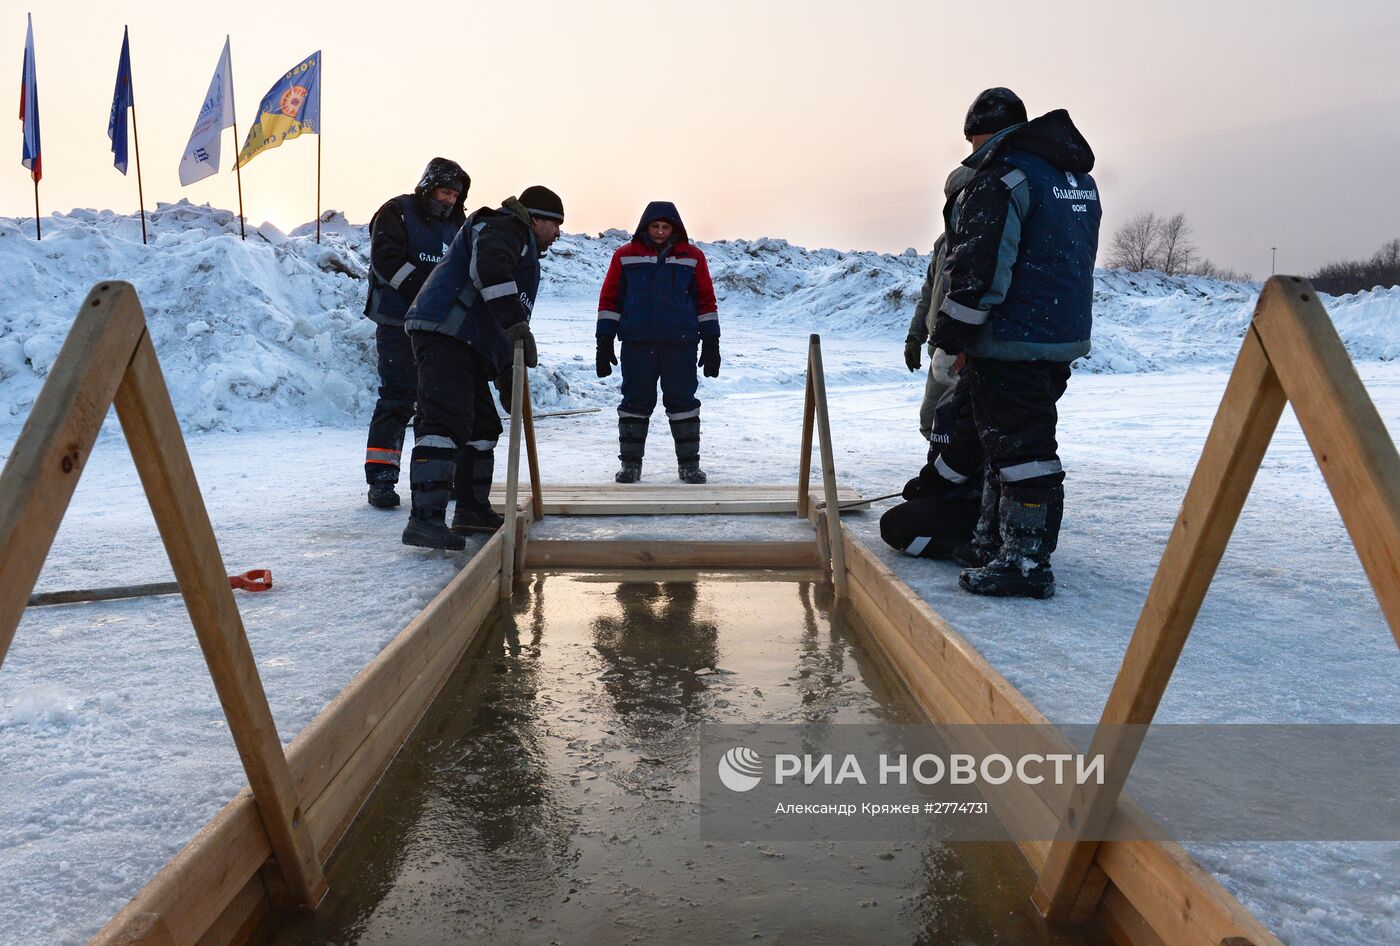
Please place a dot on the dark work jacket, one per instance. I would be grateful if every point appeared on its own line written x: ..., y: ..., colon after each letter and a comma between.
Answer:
x: 1021, y: 253
x: 486, y: 283
x: 405, y: 245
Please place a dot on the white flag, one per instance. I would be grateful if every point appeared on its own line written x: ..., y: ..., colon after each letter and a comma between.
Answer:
x: 201, y: 157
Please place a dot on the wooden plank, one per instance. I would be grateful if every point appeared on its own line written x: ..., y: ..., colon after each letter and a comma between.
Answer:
x: 222, y: 861
x: 145, y: 929
x: 1183, y: 902
x: 517, y: 389
x: 532, y: 455
x: 701, y: 508
x: 1345, y: 431
x: 1243, y: 427
x: 158, y: 449
x: 548, y: 554
x: 53, y: 447
x: 674, y: 489
x: 833, y: 501
x: 804, y: 472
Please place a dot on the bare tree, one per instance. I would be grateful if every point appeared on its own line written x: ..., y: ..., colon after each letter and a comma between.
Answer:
x: 1134, y: 245
x: 1174, y: 251
x: 1382, y: 269
x: 1206, y: 268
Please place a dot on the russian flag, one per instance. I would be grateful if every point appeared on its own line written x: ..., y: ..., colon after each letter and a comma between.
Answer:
x: 29, y: 107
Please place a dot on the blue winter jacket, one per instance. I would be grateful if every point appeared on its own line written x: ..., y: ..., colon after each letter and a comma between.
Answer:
x: 486, y: 283
x: 1022, y: 247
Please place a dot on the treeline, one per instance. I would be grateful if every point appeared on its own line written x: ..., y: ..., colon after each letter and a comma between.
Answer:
x: 1382, y: 269
x: 1163, y: 244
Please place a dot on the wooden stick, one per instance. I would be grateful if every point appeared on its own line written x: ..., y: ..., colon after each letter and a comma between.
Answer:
x: 1347, y: 436
x: 580, y: 410
x: 833, y: 505
x: 1234, y: 449
x: 237, y: 168
x: 517, y: 392
x: 532, y: 455
x: 53, y: 447
x: 804, y: 467
x: 158, y: 449
x: 136, y: 133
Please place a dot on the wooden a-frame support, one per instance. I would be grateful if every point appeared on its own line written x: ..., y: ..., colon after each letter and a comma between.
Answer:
x: 1291, y: 355
x: 815, y: 413
x: 108, y: 359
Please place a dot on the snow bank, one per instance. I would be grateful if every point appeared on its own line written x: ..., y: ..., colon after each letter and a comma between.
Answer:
x: 268, y: 332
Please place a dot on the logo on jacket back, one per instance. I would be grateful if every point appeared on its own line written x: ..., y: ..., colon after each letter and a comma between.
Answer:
x: 430, y: 258
x: 1070, y: 177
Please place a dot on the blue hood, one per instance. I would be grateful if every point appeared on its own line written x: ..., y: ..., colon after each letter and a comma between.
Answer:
x: 660, y: 210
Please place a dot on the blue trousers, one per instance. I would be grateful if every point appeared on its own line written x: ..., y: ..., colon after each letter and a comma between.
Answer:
x: 644, y: 364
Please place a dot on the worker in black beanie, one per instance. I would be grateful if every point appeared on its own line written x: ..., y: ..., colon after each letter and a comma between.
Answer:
x: 1022, y: 240
x: 464, y: 324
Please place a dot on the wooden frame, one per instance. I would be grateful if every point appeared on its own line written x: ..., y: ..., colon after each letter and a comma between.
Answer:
x: 108, y: 359
x: 222, y: 888
x: 1291, y: 354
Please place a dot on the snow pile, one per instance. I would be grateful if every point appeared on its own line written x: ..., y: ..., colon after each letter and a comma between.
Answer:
x: 268, y: 332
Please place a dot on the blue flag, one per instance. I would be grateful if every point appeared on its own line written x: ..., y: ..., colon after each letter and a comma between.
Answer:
x: 29, y: 108
x: 122, y: 99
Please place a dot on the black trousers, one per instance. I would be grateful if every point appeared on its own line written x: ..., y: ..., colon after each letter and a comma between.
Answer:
x: 1013, y: 408
x: 930, y: 527
x: 457, y: 417
x: 398, y: 394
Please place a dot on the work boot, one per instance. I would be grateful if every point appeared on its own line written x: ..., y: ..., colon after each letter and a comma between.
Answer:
x: 986, y: 537
x: 383, y: 496
x: 468, y: 519
x: 686, y: 433
x: 1030, y: 529
x: 475, y: 467
x: 632, y: 445
x: 430, y: 476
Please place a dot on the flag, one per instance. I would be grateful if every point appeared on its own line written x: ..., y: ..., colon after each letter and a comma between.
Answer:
x: 122, y: 99
x: 201, y: 157
x: 29, y: 108
x: 291, y: 107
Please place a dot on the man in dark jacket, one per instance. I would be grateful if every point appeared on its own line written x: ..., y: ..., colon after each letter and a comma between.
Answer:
x: 464, y: 325
x: 659, y: 299
x: 1019, y: 307
x: 408, y: 237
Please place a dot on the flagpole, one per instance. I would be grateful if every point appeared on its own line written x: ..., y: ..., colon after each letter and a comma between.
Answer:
x: 37, y: 234
x: 237, y: 168
x: 136, y: 133
x: 318, y: 185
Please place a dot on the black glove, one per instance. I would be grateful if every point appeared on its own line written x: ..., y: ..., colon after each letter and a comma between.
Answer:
x: 520, y: 332
x: 913, y: 345
x: 709, y: 357
x: 915, y: 489
x: 607, y: 356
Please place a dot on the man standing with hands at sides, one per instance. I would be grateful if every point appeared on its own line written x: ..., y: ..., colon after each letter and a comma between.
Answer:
x: 464, y: 325
x: 1019, y: 306
x: 658, y: 298
x: 408, y: 237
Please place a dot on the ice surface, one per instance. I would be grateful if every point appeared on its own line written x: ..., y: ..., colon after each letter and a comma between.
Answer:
x: 112, y: 744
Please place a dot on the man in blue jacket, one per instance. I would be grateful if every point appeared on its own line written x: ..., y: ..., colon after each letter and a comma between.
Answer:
x: 659, y: 299
x: 464, y: 323
x: 1019, y: 307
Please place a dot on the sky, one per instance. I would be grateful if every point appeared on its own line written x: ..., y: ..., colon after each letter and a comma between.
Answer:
x: 1269, y: 124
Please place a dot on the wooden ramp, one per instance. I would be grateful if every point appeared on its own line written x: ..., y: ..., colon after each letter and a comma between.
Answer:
x: 672, y: 499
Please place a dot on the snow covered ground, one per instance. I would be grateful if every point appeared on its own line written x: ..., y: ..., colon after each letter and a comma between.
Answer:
x: 112, y: 743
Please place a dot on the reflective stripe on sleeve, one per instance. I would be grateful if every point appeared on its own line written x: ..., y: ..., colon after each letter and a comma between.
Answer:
x: 498, y: 291
x: 613, y: 316
x: 963, y: 313
x: 947, y: 472
x: 406, y: 270
x: 1026, y: 471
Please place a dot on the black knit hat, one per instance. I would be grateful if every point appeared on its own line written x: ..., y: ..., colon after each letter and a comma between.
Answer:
x: 992, y: 111
x: 542, y: 202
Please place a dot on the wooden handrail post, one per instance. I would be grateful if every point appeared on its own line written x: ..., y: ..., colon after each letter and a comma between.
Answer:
x: 158, y: 449
x: 804, y: 471
x: 52, y: 450
x: 1233, y: 451
x: 532, y: 455
x: 517, y: 392
x: 833, y: 507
